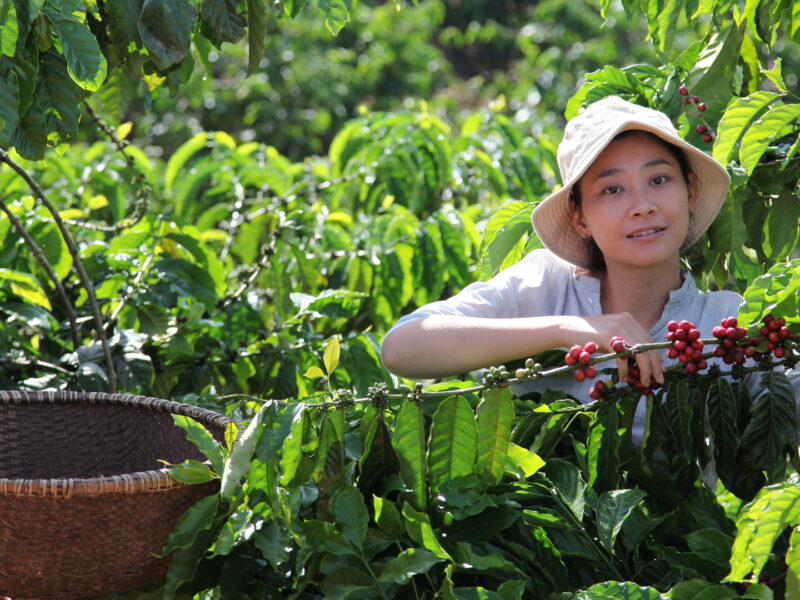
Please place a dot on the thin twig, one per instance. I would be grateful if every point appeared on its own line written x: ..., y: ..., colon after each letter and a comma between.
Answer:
x: 76, y: 261
x: 138, y: 181
x: 37, y: 252
x: 36, y: 364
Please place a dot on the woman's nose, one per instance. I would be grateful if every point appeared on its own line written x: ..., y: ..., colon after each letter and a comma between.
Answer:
x: 641, y: 203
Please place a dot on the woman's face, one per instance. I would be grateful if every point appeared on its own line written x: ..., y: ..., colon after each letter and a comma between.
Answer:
x: 635, y: 203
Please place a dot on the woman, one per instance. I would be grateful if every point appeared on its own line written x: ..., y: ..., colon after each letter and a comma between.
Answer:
x: 635, y: 194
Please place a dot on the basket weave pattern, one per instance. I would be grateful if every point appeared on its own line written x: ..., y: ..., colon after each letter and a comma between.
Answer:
x: 84, y: 500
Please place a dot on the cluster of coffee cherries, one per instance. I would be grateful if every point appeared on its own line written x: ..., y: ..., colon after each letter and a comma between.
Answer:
x: 776, y: 332
x: 729, y: 350
x: 582, y: 355
x: 702, y: 128
x: 529, y: 369
x: 687, y: 346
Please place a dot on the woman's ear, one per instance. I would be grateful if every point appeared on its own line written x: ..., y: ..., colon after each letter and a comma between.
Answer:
x: 578, y: 221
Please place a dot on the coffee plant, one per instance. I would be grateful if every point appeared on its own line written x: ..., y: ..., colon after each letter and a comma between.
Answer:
x: 240, y: 276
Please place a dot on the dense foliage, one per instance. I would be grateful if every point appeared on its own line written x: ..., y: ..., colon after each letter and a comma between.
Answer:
x: 224, y: 271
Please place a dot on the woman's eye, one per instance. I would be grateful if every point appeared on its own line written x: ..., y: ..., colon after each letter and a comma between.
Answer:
x: 612, y: 189
x: 660, y: 179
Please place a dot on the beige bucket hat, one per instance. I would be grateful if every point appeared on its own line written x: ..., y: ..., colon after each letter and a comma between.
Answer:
x: 585, y: 137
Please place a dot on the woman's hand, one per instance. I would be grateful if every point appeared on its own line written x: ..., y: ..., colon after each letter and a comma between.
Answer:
x: 601, y: 328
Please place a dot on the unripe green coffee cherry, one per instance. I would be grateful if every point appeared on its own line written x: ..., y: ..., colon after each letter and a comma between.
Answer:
x: 505, y: 374
x: 537, y: 368
x: 529, y: 364
x: 521, y: 373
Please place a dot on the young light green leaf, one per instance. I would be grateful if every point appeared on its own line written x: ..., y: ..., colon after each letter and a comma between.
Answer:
x: 192, y: 472
x: 418, y: 525
x: 387, y: 516
x: 314, y: 373
x: 330, y: 356
x: 523, y: 461
x: 737, y: 118
x: 621, y: 590
x: 453, y: 441
x: 768, y: 128
x: 504, y: 232
x: 202, y: 438
x: 337, y: 13
x: 759, y: 525
x: 793, y: 566
x: 613, y: 508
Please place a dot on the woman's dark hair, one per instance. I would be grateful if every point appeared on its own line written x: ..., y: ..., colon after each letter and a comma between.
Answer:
x: 596, y: 260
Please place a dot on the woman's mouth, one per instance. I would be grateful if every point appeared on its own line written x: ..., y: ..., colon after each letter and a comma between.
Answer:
x: 644, y: 233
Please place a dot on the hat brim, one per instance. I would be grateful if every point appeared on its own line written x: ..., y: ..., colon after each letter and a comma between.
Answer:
x: 552, y: 217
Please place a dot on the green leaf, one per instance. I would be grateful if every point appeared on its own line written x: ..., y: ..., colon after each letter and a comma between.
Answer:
x: 775, y: 508
x: 197, y: 518
x: 504, y: 232
x: 775, y: 76
x: 277, y: 428
x: 9, y: 107
x: 387, y: 516
x: 192, y: 472
x: 772, y: 430
x: 453, y: 441
x: 613, y: 508
x: 59, y: 97
x: 769, y: 127
x: 314, y: 373
x: 379, y: 460
x: 408, y: 563
x: 781, y: 226
x: 603, y: 449
x: 9, y: 28
x: 793, y: 566
x: 85, y: 62
x: 123, y: 15
x: 202, y: 438
x: 184, y: 562
x: 679, y: 416
x: 256, y: 33
x: 721, y: 405
x: 330, y: 355
x: 166, y: 27
x: 569, y: 484
x: 418, y: 526
x: 291, y: 457
x: 521, y: 460
x: 337, y: 13
x: 30, y: 137
x: 621, y: 590
x: 409, y: 442
x: 221, y: 15
x: 494, y: 416
x: 711, y: 544
x: 351, y: 515
x: 713, y: 72
x: 181, y: 157
x: 26, y: 286
x: 238, y: 462
x: 738, y: 117
x: 427, y: 264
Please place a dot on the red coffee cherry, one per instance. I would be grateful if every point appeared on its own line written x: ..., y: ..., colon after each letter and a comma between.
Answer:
x: 683, y: 90
x: 707, y: 138
x: 701, y: 129
x: 702, y: 106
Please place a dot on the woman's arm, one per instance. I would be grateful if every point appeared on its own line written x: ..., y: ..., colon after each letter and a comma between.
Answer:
x: 441, y: 345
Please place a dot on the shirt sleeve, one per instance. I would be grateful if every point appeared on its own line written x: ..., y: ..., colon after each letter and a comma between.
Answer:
x: 534, y: 286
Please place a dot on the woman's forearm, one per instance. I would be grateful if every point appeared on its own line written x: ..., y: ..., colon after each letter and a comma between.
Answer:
x: 441, y: 345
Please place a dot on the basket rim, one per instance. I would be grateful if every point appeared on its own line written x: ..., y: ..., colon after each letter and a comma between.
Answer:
x: 154, y: 480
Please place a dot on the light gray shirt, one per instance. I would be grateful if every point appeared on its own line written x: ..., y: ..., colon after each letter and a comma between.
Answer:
x: 541, y: 284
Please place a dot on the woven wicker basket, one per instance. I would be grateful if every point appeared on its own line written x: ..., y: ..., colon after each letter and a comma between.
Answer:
x: 84, y: 501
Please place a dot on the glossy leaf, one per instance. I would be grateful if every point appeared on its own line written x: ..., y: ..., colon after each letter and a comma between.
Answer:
x: 621, y: 590
x: 408, y: 563
x: 197, y: 518
x: 613, y: 508
x: 721, y: 405
x: 379, y: 460
x: 351, y: 515
x: 522, y: 461
x: 238, y: 462
x: 256, y: 32
x: 337, y: 13
x: 166, y: 28
x: 200, y: 437
x: 679, y: 416
x: 409, y: 442
x: 330, y: 355
x: 759, y: 524
x: 780, y: 227
x: 737, y: 118
x: 85, y: 62
x: 770, y: 126
x: 418, y: 526
x: 387, y: 516
x: 192, y: 472
x: 494, y: 416
x: 276, y: 429
x: 603, y: 449
x: 772, y: 428
x: 504, y: 232
x: 9, y: 106
x: 221, y: 15
x: 452, y: 447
